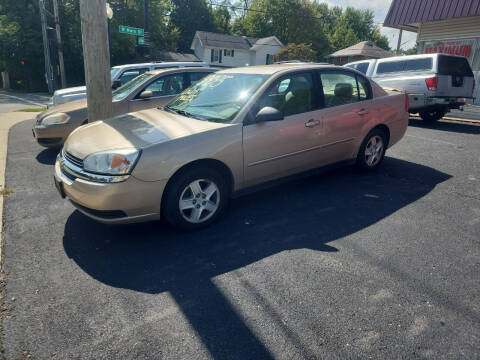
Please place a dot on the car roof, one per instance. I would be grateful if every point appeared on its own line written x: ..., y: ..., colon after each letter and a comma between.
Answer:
x: 166, y: 63
x: 182, y: 69
x: 275, y: 68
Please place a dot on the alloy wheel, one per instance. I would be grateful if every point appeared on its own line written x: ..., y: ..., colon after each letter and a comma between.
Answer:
x: 199, y: 201
x: 374, y: 151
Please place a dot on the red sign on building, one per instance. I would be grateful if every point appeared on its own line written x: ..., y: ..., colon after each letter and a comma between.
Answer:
x: 459, y: 48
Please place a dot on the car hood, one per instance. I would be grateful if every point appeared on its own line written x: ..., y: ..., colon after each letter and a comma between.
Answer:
x: 64, y: 108
x: 135, y: 130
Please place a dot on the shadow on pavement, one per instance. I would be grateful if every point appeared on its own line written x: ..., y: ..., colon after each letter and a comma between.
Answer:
x: 306, y: 213
x: 458, y: 127
x: 47, y: 156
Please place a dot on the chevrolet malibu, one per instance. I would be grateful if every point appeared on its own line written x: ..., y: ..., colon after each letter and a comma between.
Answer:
x: 151, y: 89
x: 233, y: 130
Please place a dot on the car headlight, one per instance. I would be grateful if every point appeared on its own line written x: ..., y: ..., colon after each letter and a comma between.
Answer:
x: 56, y: 118
x: 114, y: 162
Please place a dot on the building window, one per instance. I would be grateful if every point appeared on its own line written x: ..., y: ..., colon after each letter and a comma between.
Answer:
x: 215, y: 55
x: 228, y: 52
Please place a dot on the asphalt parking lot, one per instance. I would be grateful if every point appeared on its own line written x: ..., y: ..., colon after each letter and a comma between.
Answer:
x: 336, y: 265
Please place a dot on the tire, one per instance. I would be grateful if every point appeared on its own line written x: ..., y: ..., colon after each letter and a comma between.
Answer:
x: 432, y: 115
x: 369, y: 159
x: 195, y: 198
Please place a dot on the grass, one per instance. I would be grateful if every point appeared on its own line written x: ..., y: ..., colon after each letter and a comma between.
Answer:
x: 6, y: 192
x: 33, y: 109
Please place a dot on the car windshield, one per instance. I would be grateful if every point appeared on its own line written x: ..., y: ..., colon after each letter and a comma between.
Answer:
x: 113, y: 72
x: 217, y: 97
x: 123, y: 91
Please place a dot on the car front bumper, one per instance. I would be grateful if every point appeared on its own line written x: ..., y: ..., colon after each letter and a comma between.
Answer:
x: 130, y: 201
x: 52, y: 136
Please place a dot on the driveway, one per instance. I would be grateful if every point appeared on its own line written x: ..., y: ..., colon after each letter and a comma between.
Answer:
x: 336, y: 265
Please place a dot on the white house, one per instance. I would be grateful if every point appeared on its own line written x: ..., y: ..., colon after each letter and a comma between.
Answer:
x: 231, y: 51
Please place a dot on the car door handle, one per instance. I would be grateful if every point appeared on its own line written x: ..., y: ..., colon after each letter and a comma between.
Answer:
x: 311, y: 123
x: 362, y: 112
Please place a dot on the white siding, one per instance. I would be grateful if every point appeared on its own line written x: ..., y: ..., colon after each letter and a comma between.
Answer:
x: 451, y: 29
x: 271, y: 47
x: 240, y: 58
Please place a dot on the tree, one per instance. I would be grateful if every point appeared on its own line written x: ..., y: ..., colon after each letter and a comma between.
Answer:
x: 302, y: 52
x: 189, y: 16
x: 222, y: 20
x: 292, y: 21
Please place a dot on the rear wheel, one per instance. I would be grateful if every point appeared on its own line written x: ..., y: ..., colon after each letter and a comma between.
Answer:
x: 195, y: 198
x: 433, y: 115
x: 372, y: 150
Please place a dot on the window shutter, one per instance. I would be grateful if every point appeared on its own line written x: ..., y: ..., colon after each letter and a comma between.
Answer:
x: 211, y: 55
x: 220, y: 56
x: 232, y: 52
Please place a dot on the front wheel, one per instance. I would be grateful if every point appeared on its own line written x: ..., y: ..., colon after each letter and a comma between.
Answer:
x: 195, y: 198
x: 372, y: 150
x: 432, y: 115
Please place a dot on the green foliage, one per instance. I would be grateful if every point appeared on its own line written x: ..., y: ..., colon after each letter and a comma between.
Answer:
x: 172, y: 26
x: 303, y: 52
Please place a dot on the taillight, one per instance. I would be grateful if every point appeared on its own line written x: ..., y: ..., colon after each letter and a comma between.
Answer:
x: 432, y: 83
x: 407, y: 102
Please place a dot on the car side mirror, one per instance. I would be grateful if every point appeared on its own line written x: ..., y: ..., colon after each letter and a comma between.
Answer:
x: 146, y: 94
x: 116, y: 84
x: 268, y: 114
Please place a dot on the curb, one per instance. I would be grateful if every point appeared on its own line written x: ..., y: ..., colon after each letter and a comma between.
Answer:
x: 8, y: 120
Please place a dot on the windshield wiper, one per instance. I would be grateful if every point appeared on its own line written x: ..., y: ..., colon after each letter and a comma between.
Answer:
x: 183, y: 113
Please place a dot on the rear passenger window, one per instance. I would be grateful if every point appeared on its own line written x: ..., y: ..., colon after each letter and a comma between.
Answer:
x: 405, y: 65
x: 291, y: 95
x: 418, y: 64
x: 339, y: 88
x: 390, y: 66
x: 364, y: 88
x: 362, y: 67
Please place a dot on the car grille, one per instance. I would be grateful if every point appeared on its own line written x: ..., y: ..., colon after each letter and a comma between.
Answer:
x: 72, y: 159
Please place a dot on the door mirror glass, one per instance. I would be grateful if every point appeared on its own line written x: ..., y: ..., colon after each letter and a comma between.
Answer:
x: 268, y: 114
x: 116, y: 84
x: 146, y: 94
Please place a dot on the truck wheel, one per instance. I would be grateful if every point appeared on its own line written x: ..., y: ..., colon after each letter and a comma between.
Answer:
x: 372, y: 150
x: 432, y: 115
x: 195, y: 199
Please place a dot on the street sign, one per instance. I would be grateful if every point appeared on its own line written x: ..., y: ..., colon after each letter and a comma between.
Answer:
x: 130, y: 30
x: 141, y: 40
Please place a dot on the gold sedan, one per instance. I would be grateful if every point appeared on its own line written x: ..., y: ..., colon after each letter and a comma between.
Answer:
x: 234, y: 129
x: 151, y: 89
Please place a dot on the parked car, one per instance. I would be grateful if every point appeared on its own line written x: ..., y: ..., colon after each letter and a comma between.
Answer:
x: 151, y: 89
x: 119, y: 75
x: 234, y: 129
x: 435, y: 83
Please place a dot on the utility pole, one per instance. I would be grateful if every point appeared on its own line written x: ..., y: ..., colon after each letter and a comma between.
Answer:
x: 399, y: 43
x: 46, y: 50
x: 96, y: 59
x: 59, y: 45
x: 146, y: 32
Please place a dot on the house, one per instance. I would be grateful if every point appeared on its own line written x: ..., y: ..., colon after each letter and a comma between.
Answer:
x: 232, y: 51
x: 362, y: 50
x: 443, y: 26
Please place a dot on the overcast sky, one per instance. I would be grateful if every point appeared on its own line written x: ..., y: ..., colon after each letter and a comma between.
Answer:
x: 380, y: 9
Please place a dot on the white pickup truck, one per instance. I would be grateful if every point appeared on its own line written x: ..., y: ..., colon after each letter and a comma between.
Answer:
x: 435, y: 83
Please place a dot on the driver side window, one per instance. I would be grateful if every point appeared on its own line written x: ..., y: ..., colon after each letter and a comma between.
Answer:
x: 291, y: 95
x: 166, y: 86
